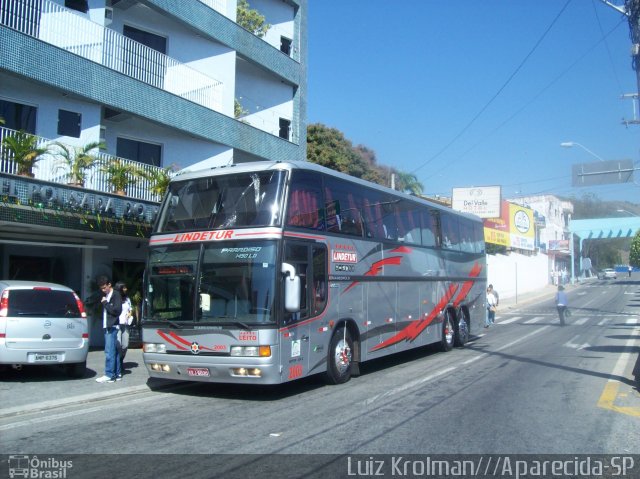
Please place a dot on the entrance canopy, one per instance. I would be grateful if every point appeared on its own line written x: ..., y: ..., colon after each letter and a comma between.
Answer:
x: 601, y: 228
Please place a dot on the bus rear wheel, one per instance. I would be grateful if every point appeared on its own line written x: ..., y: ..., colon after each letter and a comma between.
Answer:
x: 340, y: 357
x: 448, y: 332
x: 462, y: 331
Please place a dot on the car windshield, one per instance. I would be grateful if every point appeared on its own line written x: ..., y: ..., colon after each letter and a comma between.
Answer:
x: 212, y: 283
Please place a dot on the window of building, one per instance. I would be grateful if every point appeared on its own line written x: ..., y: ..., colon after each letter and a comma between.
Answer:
x: 151, y: 40
x: 285, y: 128
x: 148, y: 153
x: 69, y: 123
x: 18, y: 116
x: 78, y: 5
x: 285, y: 45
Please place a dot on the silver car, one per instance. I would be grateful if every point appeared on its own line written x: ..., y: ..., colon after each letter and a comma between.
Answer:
x: 43, y: 324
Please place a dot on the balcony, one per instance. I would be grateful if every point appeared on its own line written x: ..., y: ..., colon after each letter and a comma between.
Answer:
x: 51, y: 167
x: 72, y: 32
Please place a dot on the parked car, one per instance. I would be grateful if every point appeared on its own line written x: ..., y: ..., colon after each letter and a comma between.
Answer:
x: 43, y: 324
x: 607, y: 273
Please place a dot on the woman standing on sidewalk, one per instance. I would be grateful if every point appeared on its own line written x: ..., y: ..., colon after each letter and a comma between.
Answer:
x: 562, y: 303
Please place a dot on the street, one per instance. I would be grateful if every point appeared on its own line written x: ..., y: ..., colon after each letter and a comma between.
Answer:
x: 526, y: 385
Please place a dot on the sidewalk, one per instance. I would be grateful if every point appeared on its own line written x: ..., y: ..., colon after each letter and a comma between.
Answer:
x: 41, y: 388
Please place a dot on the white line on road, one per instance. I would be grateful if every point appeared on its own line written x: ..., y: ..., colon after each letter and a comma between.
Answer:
x: 534, y: 320
x: 581, y: 321
x: 510, y: 320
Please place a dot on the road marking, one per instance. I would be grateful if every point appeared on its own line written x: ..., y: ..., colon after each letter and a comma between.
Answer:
x: 604, y: 321
x: 612, y: 387
x: 510, y: 320
x: 534, y: 320
x: 581, y: 321
x: 572, y: 345
x: 435, y: 375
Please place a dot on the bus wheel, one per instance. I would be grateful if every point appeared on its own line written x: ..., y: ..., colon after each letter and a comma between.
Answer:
x: 340, y: 357
x: 448, y: 332
x: 461, y: 332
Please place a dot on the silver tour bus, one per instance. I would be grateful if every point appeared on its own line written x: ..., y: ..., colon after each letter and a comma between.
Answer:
x: 263, y: 273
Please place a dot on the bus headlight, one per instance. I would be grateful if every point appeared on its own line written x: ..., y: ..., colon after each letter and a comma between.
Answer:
x: 154, y: 348
x: 251, y: 351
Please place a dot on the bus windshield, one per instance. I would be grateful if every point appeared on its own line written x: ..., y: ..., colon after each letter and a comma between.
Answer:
x: 227, y: 201
x: 234, y: 283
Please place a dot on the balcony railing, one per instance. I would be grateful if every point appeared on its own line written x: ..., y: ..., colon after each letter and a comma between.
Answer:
x: 65, y: 29
x: 217, y: 5
x: 52, y: 167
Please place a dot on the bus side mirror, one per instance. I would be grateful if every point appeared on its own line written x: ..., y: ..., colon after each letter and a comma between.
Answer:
x: 291, y: 288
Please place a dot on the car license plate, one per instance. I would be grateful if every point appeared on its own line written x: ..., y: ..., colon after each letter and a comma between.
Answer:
x: 45, y: 358
x: 199, y: 372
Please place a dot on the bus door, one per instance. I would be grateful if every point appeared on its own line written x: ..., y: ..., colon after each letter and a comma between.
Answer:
x: 298, y: 334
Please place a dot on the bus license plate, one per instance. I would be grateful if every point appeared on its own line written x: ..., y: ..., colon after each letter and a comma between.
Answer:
x: 199, y: 372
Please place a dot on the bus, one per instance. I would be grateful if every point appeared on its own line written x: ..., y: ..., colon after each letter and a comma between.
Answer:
x: 267, y: 272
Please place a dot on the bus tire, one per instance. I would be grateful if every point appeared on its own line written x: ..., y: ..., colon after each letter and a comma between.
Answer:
x: 340, y: 357
x: 462, y: 331
x: 448, y: 332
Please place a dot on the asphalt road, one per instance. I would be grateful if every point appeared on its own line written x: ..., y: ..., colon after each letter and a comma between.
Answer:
x: 524, y: 386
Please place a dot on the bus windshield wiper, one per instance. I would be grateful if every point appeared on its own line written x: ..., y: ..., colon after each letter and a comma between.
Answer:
x: 242, y: 325
x: 174, y: 324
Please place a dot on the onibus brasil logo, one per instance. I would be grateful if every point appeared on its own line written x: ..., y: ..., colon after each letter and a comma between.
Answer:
x: 38, y: 468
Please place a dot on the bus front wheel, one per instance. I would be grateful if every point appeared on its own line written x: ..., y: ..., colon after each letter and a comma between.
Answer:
x: 461, y: 331
x: 340, y: 357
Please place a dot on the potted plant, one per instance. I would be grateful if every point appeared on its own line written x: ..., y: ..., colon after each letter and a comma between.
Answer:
x: 78, y: 160
x: 120, y: 174
x: 158, y: 179
x: 23, y: 149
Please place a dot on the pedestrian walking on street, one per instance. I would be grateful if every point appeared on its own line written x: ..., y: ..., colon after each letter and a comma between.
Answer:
x: 125, y: 321
x: 495, y: 294
x: 562, y: 303
x: 111, y: 309
x: 630, y: 269
x: 491, y: 308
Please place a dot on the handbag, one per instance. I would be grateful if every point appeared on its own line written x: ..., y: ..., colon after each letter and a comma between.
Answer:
x: 492, y: 309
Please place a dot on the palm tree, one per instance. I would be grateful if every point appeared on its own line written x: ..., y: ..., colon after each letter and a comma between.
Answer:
x: 79, y: 160
x: 159, y: 179
x: 23, y: 149
x: 120, y: 174
x: 408, y: 183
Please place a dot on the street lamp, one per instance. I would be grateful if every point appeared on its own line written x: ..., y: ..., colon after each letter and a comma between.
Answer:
x: 570, y: 144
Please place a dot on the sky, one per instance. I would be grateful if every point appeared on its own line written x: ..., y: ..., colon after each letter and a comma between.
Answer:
x: 478, y: 92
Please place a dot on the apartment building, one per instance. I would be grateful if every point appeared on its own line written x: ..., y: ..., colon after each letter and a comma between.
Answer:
x: 154, y: 85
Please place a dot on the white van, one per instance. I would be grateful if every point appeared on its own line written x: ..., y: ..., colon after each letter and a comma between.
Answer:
x: 43, y: 324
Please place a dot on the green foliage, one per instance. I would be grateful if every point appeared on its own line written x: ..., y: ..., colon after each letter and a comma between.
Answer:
x: 251, y: 19
x: 634, y: 252
x: 78, y: 159
x: 328, y: 147
x: 238, y: 110
x: 159, y: 179
x: 121, y: 174
x: 24, y: 150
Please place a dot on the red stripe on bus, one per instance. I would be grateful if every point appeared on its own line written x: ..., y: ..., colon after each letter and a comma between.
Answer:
x: 170, y: 341
x: 376, y: 269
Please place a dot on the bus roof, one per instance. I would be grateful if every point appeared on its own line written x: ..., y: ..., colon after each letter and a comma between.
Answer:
x: 306, y: 165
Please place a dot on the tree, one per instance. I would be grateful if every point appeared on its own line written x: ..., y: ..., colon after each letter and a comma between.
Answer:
x: 251, y: 19
x: 24, y: 150
x: 408, y: 182
x: 634, y: 252
x: 79, y: 159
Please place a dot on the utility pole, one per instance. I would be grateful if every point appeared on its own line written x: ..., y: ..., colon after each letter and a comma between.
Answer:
x: 631, y: 8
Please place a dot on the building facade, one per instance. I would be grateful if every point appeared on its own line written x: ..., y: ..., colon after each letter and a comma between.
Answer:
x: 156, y: 86
x: 552, y: 232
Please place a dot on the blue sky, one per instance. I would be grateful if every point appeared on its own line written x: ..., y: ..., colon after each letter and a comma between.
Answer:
x: 477, y: 93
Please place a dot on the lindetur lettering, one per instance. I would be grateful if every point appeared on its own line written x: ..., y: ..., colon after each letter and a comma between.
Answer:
x: 344, y: 257
x: 203, y: 236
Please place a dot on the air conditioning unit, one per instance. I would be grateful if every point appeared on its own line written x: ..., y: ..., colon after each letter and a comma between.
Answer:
x: 108, y: 16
